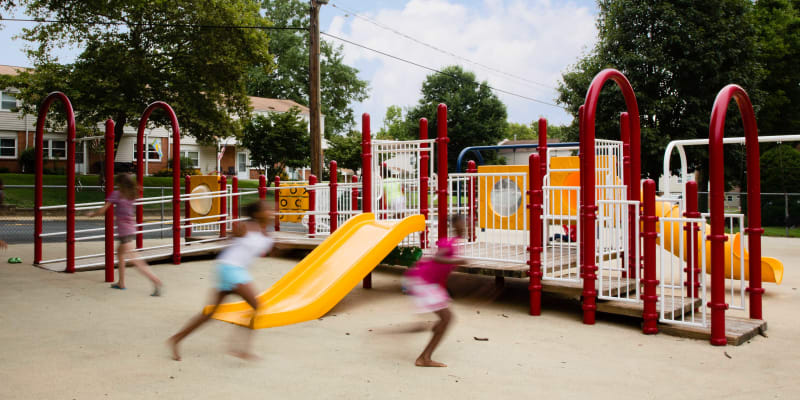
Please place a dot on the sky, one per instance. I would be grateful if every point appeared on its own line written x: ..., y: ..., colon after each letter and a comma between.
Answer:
x: 517, y: 46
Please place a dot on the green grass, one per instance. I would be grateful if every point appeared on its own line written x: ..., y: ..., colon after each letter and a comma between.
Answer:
x: 23, y: 197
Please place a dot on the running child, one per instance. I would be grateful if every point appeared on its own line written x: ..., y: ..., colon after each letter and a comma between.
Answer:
x: 427, y: 281
x: 251, y: 241
x: 123, y: 201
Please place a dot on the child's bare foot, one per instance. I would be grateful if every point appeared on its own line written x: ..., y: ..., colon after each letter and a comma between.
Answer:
x: 173, y: 345
x: 421, y: 362
x: 244, y: 355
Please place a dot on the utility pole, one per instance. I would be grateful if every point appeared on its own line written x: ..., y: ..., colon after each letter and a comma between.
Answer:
x: 314, y: 92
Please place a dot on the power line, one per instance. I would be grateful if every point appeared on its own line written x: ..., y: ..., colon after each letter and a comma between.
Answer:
x: 438, y: 49
x: 211, y: 26
x: 439, y: 71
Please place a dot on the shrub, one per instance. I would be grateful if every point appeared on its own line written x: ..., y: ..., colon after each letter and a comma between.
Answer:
x: 27, y: 160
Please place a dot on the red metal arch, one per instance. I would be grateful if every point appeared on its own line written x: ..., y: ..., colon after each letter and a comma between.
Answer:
x: 70, y: 171
x: 716, y: 131
x: 631, y: 138
x: 176, y: 174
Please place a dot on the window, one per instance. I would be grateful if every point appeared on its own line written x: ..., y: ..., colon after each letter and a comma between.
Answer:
x: 730, y: 198
x: 192, y: 155
x: 152, y: 152
x: 79, y: 153
x: 58, y: 149
x: 242, y: 162
x: 9, y: 101
x: 8, y: 148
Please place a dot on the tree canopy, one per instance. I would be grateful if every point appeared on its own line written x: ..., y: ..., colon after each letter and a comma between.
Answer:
x: 277, y: 140
x: 133, y: 53
x: 677, y: 55
x: 475, y: 115
x: 345, y: 150
x: 339, y: 83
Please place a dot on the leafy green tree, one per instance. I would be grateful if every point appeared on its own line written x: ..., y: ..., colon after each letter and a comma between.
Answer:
x: 475, y: 115
x: 517, y: 131
x: 780, y: 173
x: 677, y: 55
x: 778, y: 24
x: 345, y: 150
x: 395, y: 126
x: 277, y: 141
x: 136, y: 52
x: 340, y: 85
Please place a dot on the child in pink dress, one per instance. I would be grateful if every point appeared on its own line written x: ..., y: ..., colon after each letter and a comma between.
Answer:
x: 427, y: 281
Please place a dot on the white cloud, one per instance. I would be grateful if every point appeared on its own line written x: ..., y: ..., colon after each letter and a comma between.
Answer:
x: 535, y: 39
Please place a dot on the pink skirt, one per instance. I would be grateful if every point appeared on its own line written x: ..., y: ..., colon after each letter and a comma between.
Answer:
x: 428, y: 297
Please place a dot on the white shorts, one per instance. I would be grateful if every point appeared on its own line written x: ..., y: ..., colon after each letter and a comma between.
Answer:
x: 428, y: 297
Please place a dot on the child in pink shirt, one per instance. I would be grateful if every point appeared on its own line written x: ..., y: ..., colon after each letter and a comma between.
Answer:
x: 427, y: 281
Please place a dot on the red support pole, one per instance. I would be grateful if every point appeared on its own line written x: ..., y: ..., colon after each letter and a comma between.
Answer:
x: 716, y: 132
x: 625, y: 134
x: 333, y: 188
x: 649, y: 297
x: 187, y: 206
x: 140, y: 154
x: 366, y: 177
x: 535, y: 223
x: 424, y: 179
x: 312, y: 206
x: 588, y: 205
x: 277, y: 201
x: 223, y: 206
x: 441, y: 142
x: 354, y: 194
x: 473, y: 205
x: 543, y: 146
x: 176, y: 172
x: 235, y: 202
x: 38, y: 194
x: 109, y: 164
x: 692, y: 242
x: 262, y: 187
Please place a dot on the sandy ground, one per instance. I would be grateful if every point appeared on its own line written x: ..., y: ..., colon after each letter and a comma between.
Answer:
x: 71, y: 337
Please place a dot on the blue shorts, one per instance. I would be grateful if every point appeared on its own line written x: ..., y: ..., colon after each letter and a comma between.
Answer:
x: 229, y: 276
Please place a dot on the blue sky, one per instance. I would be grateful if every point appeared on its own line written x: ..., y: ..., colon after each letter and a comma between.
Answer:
x: 520, y: 46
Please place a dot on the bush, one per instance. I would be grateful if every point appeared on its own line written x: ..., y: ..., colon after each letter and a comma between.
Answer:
x: 27, y: 160
x: 4, y: 170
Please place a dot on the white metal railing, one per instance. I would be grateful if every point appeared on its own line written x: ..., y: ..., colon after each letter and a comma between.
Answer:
x: 735, y: 295
x: 683, y: 248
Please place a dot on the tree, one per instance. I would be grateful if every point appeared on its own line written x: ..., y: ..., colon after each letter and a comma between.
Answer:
x: 277, y: 141
x: 136, y: 52
x: 517, y: 131
x: 395, y: 126
x: 778, y: 23
x: 475, y: 115
x: 677, y: 55
x: 345, y: 150
x: 340, y: 85
x: 780, y: 173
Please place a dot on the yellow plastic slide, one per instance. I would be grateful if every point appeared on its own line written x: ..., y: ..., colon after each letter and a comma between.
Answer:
x: 771, y: 268
x: 322, y: 279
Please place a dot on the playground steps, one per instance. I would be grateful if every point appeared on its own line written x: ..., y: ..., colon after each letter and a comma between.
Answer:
x: 151, y: 255
x: 574, y: 289
x: 738, y: 330
x: 669, y: 305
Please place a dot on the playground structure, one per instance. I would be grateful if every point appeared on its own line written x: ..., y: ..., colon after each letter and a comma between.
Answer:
x: 592, y: 236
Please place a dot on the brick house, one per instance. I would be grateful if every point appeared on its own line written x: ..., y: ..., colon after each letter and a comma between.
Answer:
x: 17, y: 132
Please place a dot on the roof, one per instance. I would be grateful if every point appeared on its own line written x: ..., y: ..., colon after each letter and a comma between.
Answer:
x: 506, y: 142
x: 12, y: 70
x: 275, y: 105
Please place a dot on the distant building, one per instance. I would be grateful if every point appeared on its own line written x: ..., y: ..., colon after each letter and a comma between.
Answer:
x: 520, y: 156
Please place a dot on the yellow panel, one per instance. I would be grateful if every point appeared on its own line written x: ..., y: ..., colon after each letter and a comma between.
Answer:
x: 488, y: 216
x: 293, y: 199
x: 199, y: 207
